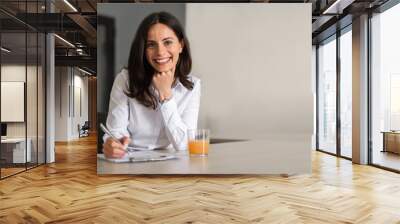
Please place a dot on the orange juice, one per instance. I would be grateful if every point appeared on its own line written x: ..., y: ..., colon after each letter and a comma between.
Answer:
x: 198, y: 147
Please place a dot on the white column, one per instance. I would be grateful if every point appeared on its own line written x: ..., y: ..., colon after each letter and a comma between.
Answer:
x: 50, y: 92
x: 360, y: 90
x: 50, y: 108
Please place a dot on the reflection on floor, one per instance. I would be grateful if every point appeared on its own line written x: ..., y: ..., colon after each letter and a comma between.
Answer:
x: 9, y: 171
x: 387, y: 159
x: 346, y: 152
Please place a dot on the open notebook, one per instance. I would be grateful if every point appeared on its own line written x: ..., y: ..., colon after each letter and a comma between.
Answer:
x: 140, y: 156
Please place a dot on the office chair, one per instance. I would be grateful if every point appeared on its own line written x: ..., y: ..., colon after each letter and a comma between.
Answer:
x: 84, y: 130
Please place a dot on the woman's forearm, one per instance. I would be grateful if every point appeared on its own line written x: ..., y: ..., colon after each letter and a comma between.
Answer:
x: 176, y: 128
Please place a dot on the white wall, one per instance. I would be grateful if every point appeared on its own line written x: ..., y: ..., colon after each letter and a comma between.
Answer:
x: 67, y: 117
x: 12, y: 101
x: 254, y: 61
x: 62, y: 80
x: 80, y: 84
x: 12, y: 73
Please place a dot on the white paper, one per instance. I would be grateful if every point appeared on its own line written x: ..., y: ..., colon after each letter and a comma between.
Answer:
x: 140, y: 156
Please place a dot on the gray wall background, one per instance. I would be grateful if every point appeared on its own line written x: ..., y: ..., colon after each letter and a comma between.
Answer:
x: 254, y: 61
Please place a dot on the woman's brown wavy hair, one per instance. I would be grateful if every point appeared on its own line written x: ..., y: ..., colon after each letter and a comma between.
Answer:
x: 141, y: 72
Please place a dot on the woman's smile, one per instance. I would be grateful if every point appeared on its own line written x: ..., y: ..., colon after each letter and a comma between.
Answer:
x: 163, y: 61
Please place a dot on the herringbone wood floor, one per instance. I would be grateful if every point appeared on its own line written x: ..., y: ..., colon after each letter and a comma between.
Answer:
x: 70, y: 191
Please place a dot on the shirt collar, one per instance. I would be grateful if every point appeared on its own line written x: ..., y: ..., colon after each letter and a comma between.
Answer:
x: 177, y: 84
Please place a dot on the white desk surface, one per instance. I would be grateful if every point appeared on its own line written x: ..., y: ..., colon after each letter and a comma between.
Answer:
x: 247, y: 157
x: 13, y: 140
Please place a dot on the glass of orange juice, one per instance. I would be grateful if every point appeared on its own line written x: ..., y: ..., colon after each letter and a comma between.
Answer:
x: 198, y: 142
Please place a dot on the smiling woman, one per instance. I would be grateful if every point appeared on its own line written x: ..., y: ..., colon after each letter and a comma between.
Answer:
x: 155, y: 101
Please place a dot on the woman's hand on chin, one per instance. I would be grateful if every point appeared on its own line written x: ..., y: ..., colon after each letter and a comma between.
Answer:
x: 162, y: 81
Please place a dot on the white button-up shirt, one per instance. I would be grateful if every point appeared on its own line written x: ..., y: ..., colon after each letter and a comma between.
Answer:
x: 148, y: 128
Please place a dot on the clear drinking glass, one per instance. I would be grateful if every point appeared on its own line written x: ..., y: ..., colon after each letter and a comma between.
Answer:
x: 198, y: 142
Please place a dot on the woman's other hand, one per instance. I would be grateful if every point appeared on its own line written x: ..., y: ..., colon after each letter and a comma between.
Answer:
x: 162, y: 81
x: 114, y: 149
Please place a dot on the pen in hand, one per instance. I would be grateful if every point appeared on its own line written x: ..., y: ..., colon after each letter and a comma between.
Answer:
x: 108, y: 132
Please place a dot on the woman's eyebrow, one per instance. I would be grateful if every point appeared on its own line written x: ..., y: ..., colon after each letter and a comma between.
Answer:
x: 167, y: 38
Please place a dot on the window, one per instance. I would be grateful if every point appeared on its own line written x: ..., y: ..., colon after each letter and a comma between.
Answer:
x: 346, y: 92
x: 327, y: 95
x: 385, y: 88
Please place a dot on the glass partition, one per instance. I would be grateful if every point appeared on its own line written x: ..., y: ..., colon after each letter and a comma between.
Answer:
x: 31, y: 98
x: 22, y: 90
x: 385, y: 89
x: 32, y: 87
x: 13, y: 95
x: 41, y: 109
x: 346, y: 92
x: 327, y: 95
